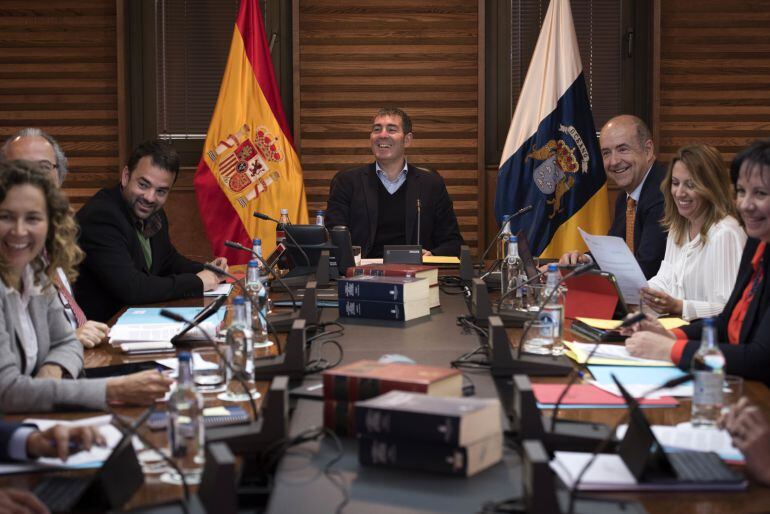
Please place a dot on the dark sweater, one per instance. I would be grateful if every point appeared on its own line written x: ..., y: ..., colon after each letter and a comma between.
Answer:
x: 391, y: 219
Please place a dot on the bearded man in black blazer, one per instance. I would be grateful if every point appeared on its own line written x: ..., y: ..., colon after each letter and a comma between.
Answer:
x: 629, y: 160
x: 384, y: 203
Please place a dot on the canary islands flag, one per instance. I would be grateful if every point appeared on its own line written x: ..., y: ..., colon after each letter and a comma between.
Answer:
x: 248, y: 163
x: 551, y: 159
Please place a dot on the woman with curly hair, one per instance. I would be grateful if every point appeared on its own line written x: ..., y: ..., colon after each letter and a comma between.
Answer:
x: 705, y: 240
x: 38, y: 347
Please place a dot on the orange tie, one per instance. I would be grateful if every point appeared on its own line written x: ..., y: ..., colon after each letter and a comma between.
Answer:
x: 630, y: 220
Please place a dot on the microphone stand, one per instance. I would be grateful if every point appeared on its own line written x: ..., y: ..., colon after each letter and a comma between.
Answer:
x: 265, y: 217
x: 202, y: 316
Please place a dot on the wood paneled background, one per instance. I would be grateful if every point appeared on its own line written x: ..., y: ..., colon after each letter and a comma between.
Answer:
x: 58, y: 72
x: 59, y: 62
x: 354, y: 56
x: 713, y: 74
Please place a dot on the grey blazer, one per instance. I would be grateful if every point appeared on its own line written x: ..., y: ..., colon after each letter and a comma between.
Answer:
x: 57, y: 344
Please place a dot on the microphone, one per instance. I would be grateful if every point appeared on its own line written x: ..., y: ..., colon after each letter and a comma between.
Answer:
x: 202, y: 316
x: 286, y: 231
x: 239, y: 246
x: 516, y: 214
x: 632, y: 404
x: 192, y: 324
x: 240, y: 283
x: 419, y: 213
x: 583, y: 268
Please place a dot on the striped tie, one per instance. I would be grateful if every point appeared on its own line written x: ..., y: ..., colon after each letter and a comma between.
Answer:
x: 630, y: 220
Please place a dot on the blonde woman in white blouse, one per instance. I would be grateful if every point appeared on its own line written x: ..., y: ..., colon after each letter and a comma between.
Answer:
x: 705, y: 240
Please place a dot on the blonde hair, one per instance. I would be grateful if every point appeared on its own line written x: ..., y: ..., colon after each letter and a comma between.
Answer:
x: 61, y: 249
x: 711, y: 181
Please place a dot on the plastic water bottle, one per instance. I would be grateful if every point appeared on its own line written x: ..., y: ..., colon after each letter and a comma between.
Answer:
x: 186, y: 438
x: 256, y: 247
x: 238, y: 353
x: 320, y: 217
x: 264, y: 275
x: 708, y: 367
x: 553, y: 310
x: 505, y: 236
x: 512, y: 276
x: 256, y: 306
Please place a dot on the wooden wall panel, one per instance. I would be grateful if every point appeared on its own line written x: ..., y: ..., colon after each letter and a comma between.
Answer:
x: 354, y: 56
x: 58, y: 72
x: 713, y: 74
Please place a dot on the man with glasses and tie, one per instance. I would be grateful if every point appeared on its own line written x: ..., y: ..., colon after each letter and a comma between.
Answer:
x: 32, y: 144
x: 629, y: 160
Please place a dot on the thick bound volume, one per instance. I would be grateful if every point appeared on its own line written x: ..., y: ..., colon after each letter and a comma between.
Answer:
x: 395, y: 311
x: 366, y: 379
x: 438, y: 458
x: 430, y: 273
x: 339, y: 415
x: 383, y: 289
x: 414, y: 416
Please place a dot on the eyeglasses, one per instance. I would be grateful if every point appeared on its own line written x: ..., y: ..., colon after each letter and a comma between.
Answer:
x: 47, y: 165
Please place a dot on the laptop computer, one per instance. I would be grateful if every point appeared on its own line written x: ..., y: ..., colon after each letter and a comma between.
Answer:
x: 644, y: 457
x: 109, y: 488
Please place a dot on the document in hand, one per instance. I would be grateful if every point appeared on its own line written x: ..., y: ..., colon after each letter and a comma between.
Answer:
x: 613, y: 255
x: 82, y: 460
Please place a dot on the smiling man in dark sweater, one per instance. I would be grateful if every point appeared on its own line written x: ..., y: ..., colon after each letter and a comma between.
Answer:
x: 379, y: 202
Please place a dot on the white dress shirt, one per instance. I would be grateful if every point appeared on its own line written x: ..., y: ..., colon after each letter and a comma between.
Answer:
x: 703, y: 276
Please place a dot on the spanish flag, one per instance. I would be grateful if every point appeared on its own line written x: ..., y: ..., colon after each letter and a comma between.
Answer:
x: 551, y: 159
x: 249, y: 163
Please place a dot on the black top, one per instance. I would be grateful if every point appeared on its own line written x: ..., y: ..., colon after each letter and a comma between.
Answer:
x: 649, y: 235
x: 354, y: 202
x: 114, y: 273
x: 750, y: 358
x: 391, y: 222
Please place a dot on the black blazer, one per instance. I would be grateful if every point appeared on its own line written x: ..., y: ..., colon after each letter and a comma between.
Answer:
x: 750, y: 358
x: 114, y: 273
x: 649, y: 235
x: 353, y: 202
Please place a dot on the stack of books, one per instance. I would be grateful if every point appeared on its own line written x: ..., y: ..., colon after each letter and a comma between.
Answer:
x: 429, y: 273
x: 455, y: 436
x: 366, y: 379
x: 382, y: 297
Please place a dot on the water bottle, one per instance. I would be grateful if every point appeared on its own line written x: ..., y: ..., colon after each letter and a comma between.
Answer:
x: 512, y: 277
x: 505, y: 236
x: 320, y: 217
x: 256, y: 247
x: 280, y: 231
x: 708, y: 367
x: 186, y: 438
x: 553, y: 310
x: 256, y: 306
x: 264, y: 275
x: 238, y: 352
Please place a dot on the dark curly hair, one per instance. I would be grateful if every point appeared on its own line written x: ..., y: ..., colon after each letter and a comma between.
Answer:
x: 61, y: 248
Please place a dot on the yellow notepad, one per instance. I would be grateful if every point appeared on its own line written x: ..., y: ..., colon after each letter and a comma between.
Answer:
x: 439, y: 259
x: 612, y: 324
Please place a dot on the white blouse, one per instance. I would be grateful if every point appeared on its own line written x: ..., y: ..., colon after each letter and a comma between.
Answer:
x: 703, y: 276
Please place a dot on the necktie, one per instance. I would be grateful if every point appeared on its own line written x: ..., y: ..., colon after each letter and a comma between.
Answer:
x: 80, y: 316
x: 630, y: 220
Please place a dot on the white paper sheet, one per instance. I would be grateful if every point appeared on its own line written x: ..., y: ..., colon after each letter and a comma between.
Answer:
x: 222, y: 289
x: 613, y: 255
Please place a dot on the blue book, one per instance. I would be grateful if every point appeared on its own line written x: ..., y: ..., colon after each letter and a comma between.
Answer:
x: 383, y: 289
x: 384, y: 310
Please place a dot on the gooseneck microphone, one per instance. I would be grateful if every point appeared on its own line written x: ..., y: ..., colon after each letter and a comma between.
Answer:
x: 419, y: 215
x: 516, y: 214
x: 202, y: 316
x: 575, y: 272
x: 265, y: 217
x: 192, y: 324
x: 239, y: 246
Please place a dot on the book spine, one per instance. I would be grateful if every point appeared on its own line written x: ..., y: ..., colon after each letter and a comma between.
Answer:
x: 371, y: 291
x: 356, y: 271
x: 434, y: 428
x: 339, y: 387
x: 396, y: 453
x: 339, y: 416
x: 368, y: 309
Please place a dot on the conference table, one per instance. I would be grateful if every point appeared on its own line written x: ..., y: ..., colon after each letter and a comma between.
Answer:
x: 302, y: 484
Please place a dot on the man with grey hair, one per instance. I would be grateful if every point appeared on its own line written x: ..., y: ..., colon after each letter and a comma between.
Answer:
x: 32, y: 144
